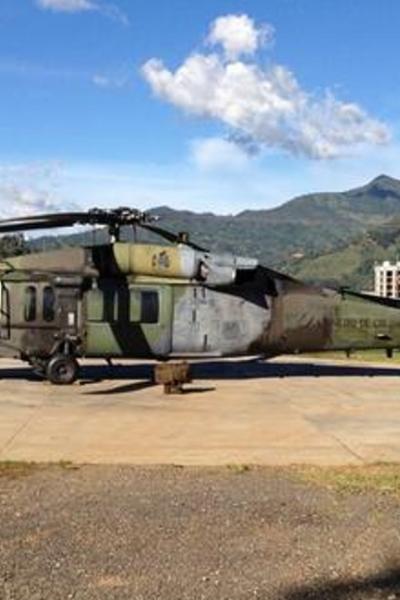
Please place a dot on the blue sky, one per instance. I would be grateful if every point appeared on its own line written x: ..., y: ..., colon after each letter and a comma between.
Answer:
x: 209, y: 105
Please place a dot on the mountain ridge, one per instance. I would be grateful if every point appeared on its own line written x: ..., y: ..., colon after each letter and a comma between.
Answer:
x: 291, y: 236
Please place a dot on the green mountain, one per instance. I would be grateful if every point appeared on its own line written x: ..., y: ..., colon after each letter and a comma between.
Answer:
x: 352, y: 265
x: 312, y: 224
x: 326, y: 237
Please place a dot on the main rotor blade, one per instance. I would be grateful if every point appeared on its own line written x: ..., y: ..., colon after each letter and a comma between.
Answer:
x: 114, y: 217
x: 38, y: 222
x: 171, y: 237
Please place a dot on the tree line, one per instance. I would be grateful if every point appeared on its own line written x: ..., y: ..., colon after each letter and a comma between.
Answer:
x: 13, y: 245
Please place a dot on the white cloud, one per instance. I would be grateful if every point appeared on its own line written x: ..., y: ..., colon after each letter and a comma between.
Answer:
x: 114, y: 13
x: 218, y: 154
x: 110, y: 81
x: 17, y: 200
x: 67, y: 5
x: 28, y: 189
x: 74, y: 6
x: 115, y: 77
x: 238, y: 35
x: 266, y: 105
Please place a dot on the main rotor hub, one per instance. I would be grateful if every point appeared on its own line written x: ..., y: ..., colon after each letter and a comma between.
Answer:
x: 122, y: 215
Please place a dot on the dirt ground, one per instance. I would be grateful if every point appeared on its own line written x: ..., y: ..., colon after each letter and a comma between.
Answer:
x: 112, y: 532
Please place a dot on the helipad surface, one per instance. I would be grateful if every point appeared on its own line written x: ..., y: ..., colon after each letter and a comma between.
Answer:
x: 280, y: 412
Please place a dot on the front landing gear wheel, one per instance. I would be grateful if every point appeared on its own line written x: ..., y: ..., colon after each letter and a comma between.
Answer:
x: 62, y: 369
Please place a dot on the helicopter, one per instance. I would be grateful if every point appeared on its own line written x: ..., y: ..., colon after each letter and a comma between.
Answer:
x: 159, y: 301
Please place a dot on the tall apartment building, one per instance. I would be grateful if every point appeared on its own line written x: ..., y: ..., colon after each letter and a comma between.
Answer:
x: 387, y: 279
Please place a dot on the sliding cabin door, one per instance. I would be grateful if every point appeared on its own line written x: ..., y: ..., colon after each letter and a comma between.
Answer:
x: 128, y: 320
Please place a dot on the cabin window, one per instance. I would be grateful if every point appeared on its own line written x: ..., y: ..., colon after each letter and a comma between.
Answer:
x: 111, y: 304
x: 144, y: 306
x: 149, y: 307
x: 134, y: 306
x: 30, y: 303
x: 49, y: 301
x: 95, y: 305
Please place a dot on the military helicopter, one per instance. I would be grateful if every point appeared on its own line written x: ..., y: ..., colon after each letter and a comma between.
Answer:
x: 139, y: 300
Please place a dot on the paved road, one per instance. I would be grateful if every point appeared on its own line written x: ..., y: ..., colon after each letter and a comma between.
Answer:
x: 162, y: 533
x: 268, y: 413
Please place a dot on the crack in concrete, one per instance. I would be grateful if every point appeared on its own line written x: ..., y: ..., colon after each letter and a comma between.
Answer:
x: 346, y: 447
x: 17, y: 432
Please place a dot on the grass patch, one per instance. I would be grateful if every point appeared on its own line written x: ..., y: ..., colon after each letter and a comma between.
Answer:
x: 238, y: 468
x: 382, y: 478
x: 19, y: 468
x: 68, y: 465
x: 377, y: 356
x: 16, y: 468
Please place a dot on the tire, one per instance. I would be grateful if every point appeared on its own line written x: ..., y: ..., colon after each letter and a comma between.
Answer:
x: 62, y: 369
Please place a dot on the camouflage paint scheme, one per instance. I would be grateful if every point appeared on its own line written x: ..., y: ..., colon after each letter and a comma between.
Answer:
x: 198, y: 304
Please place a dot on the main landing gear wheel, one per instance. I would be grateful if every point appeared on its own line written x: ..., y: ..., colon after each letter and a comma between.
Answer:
x: 62, y: 369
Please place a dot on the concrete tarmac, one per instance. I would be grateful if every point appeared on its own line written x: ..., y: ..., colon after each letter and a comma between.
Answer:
x: 281, y: 412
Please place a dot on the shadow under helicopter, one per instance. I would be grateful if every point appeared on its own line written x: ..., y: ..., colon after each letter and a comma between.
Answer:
x: 385, y: 584
x: 215, y: 369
